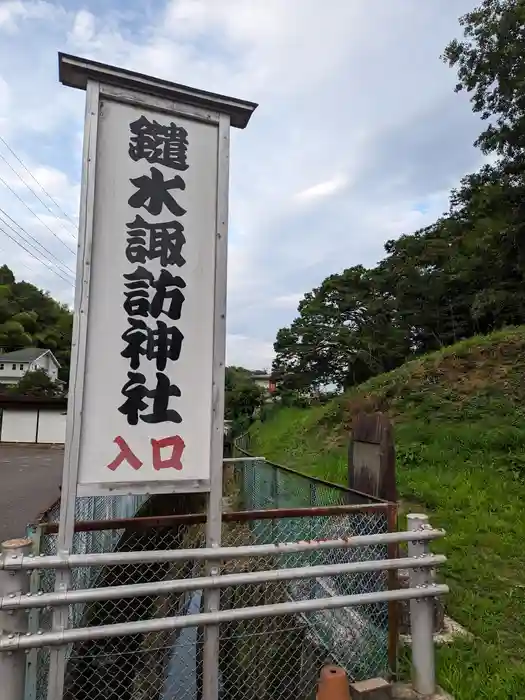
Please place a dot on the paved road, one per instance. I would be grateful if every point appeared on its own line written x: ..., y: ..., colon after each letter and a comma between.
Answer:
x: 29, y: 483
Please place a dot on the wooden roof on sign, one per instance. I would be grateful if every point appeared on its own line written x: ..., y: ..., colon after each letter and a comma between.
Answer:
x: 74, y: 71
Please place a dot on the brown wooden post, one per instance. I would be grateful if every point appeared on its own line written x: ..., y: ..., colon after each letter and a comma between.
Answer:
x: 372, y: 470
x: 371, y: 456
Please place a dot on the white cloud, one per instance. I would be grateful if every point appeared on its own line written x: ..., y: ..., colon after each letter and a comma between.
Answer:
x: 5, y: 103
x: 355, y: 141
x: 11, y: 12
x: 249, y: 352
x: 323, y: 189
x: 288, y: 301
x: 83, y: 29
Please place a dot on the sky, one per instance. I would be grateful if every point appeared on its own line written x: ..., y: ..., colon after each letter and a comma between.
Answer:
x: 358, y: 137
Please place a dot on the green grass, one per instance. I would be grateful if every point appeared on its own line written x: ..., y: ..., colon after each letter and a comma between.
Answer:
x: 459, y: 419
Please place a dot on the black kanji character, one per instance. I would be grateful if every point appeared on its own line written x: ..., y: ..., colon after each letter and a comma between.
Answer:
x: 137, y: 299
x: 159, y: 143
x: 165, y: 242
x: 135, y: 392
x: 156, y: 190
x: 167, y: 289
x: 167, y: 286
x: 160, y: 344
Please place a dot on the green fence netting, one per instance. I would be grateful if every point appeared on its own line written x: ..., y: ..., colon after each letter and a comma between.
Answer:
x: 354, y: 638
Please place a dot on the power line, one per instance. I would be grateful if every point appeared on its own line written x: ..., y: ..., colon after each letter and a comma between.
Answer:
x: 54, y: 271
x: 45, y: 253
x: 37, y: 182
x: 33, y: 192
x: 36, y: 215
x: 21, y: 262
x: 65, y: 267
x: 44, y: 261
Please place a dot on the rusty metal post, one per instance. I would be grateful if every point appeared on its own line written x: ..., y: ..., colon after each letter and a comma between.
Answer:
x: 12, y: 622
x: 393, y: 584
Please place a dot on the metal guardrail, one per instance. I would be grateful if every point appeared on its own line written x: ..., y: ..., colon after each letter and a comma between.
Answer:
x: 16, y: 561
x: 28, y: 601
x: 284, y: 506
x: 277, y: 556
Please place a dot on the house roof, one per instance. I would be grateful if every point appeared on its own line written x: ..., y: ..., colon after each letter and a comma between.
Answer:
x: 31, y: 402
x: 23, y: 355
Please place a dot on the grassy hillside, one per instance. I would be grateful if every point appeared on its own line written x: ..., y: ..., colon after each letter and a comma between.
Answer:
x: 459, y: 420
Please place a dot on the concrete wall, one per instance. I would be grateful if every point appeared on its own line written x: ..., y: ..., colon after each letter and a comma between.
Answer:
x: 18, y: 425
x: 51, y: 426
x: 42, y: 425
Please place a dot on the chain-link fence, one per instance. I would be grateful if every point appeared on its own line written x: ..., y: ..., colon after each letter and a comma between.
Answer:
x: 272, y: 658
x: 86, y: 509
x: 270, y: 485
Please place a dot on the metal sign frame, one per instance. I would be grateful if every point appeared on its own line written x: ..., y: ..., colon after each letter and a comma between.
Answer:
x: 116, y: 84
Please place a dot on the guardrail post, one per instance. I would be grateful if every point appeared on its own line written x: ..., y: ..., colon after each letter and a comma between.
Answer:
x: 421, y: 615
x: 34, y: 533
x: 13, y: 663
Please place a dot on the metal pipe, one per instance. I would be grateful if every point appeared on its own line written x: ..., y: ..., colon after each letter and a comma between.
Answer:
x: 159, y: 588
x: 13, y: 666
x: 230, y: 460
x: 14, y: 562
x: 67, y: 636
x: 421, y: 613
x: 145, y: 522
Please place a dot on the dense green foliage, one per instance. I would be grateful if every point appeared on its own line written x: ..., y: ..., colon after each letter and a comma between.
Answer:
x: 459, y: 425
x: 30, y: 317
x: 36, y: 383
x: 464, y: 274
x: 242, y: 399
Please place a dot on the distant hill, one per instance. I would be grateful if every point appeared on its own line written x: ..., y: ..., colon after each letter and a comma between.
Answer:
x: 30, y: 317
x: 459, y: 417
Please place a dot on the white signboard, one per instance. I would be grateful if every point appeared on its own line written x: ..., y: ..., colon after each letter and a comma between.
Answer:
x: 147, y: 395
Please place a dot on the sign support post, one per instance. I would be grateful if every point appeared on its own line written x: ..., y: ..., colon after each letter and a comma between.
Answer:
x: 214, y: 520
x: 152, y: 250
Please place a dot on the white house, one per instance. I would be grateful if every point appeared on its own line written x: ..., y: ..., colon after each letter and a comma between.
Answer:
x: 13, y: 365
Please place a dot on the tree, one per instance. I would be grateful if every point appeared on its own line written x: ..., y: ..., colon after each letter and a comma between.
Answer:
x: 423, y: 272
x: 242, y: 397
x: 37, y: 383
x: 491, y: 208
x: 13, y: 336
x: 6, y: 276
x: 347, y: 331
x: 27, y: 319
x: 490, y: 61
